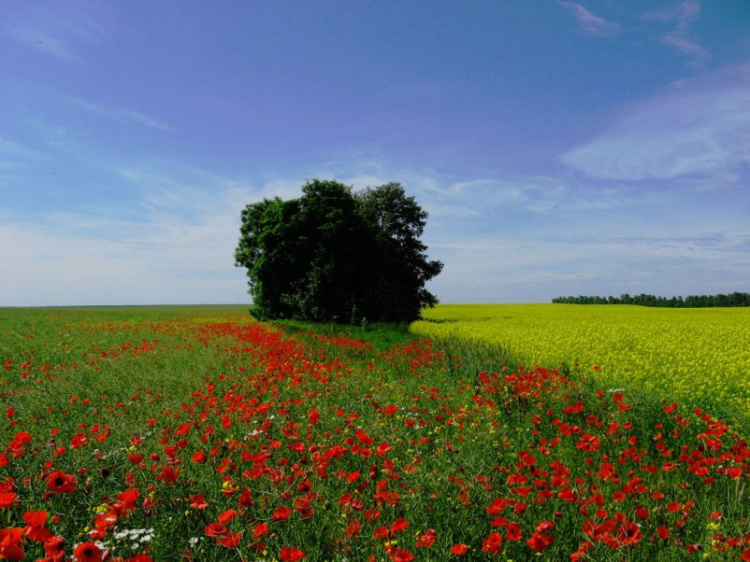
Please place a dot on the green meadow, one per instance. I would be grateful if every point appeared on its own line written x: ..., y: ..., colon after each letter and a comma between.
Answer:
x: 492, y: 432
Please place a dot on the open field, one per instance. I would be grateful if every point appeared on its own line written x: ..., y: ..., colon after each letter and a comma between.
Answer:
x: 697, y: 356
x: 170, y: 433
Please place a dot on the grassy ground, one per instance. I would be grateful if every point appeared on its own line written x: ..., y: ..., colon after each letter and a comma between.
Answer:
x: 175, y: 434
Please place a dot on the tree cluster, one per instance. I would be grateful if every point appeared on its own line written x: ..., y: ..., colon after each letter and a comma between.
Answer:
x: 337, y: 255
x: 691, y: 301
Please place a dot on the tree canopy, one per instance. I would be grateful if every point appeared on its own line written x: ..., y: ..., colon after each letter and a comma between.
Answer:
x: 337, y: 255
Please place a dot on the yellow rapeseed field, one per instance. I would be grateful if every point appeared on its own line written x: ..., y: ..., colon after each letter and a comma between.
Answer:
x: 694, y: 355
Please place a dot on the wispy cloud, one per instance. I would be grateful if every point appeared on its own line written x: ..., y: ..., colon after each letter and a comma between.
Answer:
x: 520, y: 269
x: 589, y: 23
x: 682, y: 15
x: 449, y: 198
x: 64, y: 33
x: 15, y: 149
x: 119, y: 114
x: 45, y: 43
x: 15, y: 159
x: 699, y: 130
x: 522, y: 196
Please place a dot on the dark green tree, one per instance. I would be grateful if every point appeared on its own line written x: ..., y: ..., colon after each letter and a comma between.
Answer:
x: 334, y: 255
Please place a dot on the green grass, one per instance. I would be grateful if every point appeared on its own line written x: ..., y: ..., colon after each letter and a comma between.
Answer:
x: 380, y: 335
x: 353, y: 430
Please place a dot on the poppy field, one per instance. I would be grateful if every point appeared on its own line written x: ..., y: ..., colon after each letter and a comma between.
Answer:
x: 199, y: 434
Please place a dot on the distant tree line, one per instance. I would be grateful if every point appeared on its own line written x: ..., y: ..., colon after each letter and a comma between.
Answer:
x: 691, y: 301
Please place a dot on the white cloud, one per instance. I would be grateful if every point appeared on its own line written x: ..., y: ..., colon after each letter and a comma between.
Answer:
x: 45, y: 43
x: 165, y: 258
x: 703, y: 130
x: 538, y: 195
x: 682, y: 15
x: 537, y: 266
x: 678, y: 41
x: 16, y: 149
x: 589, y: 23
x: 174, y: 245
x: 119, y: 114
x: 63, y: 32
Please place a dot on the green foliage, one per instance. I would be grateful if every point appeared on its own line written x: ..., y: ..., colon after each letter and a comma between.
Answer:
x: 334, y: 255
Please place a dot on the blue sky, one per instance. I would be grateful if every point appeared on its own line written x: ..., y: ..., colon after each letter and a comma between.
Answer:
x: 594, y: 147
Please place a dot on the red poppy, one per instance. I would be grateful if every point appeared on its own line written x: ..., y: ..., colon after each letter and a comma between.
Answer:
x: 281, y: 513
x: 459, y: 549
x: 513, y: 532
x: 7, y: 499
x: 168, y: 474
x: 215, y: 529
x: 245, y: 499
x: 399, y: 524
x: 129, y: 497
x: 313, y: 416
x: 629, y: 533
x: 10, y: 543
x: 427, y: 538
x: 641, y: 513
x: 61, y: 483
x: 79, y: 440
x: 383, y: 449
x: 88, y: 552
x: 54, y: 547
x: 35, y: 528
x: 380, y: 533
x: 671, y: 408
x: 291, y: 554
x: 352, y: 529
x: 401, y: 555
x: 371, y: 515
x: 497, y: 505
x: 545, y: 527
x: 516, y: 479
x: 198, y: 502
x: 230, y: 540
x: 260, y: 530
x: 184, y: 429
x: 539, y: 542
x: 493, y: 543
x: 227, y: 516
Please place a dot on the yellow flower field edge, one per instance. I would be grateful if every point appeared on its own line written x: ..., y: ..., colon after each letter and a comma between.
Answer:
x: 699, y: 356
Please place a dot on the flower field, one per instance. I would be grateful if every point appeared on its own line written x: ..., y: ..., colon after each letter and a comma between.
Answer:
x: 198, y: 434
x: 701, y: 356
